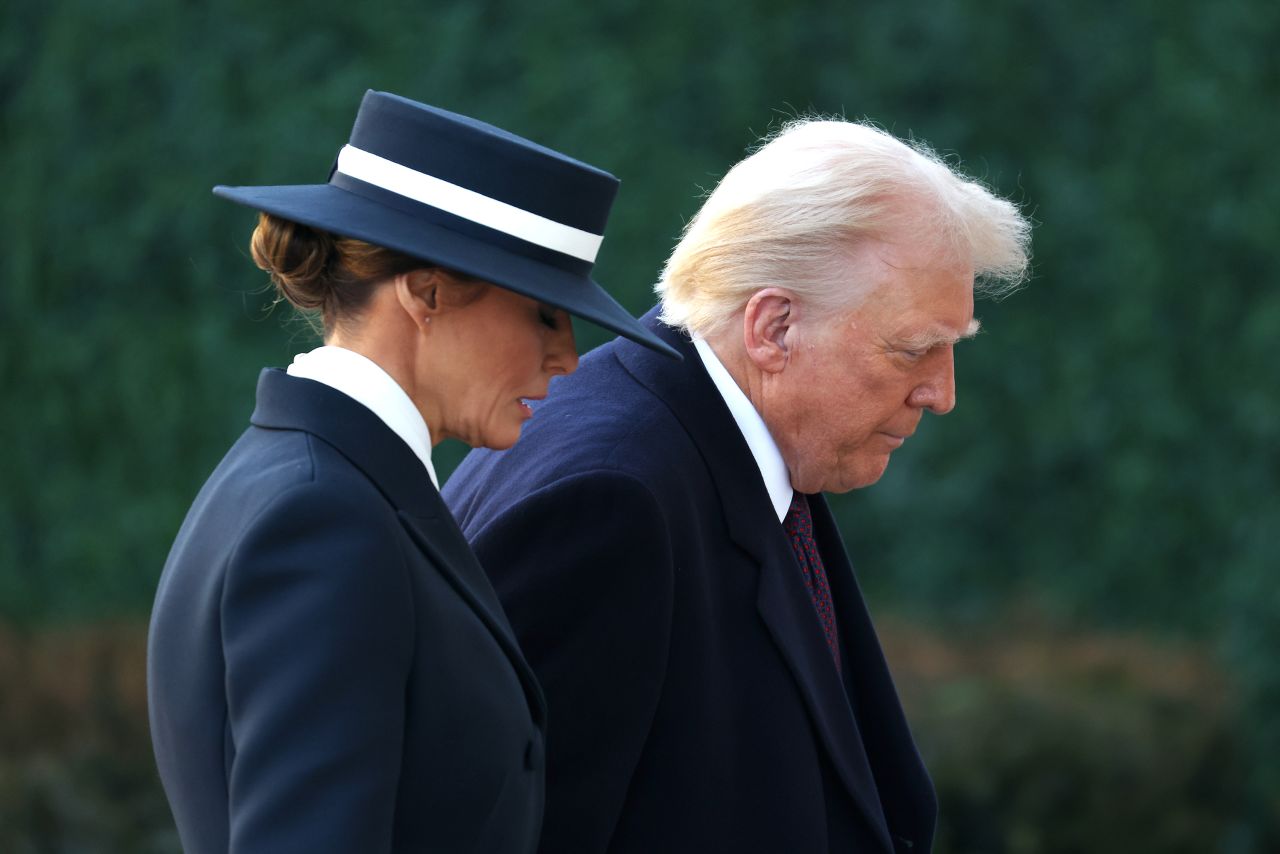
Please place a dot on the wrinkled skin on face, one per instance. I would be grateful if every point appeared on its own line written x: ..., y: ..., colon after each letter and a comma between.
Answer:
x: 468, y: 353
x: 839, y: 393
x: 488, y: 358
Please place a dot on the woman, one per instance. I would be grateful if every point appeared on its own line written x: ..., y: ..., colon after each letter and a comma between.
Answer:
x: 329, y: 669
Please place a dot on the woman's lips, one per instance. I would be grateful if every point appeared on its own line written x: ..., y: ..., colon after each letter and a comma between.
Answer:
x: 526, y: 405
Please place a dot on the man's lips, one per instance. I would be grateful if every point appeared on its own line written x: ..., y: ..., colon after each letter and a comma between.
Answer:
x: 895, y: 439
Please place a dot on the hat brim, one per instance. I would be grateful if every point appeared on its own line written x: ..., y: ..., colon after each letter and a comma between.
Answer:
x: 333, y: 209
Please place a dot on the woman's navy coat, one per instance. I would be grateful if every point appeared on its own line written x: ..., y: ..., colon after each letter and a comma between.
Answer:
x: 329, y: 669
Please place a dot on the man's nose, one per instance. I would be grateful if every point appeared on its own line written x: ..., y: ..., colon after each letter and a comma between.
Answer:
x: 937, y: 392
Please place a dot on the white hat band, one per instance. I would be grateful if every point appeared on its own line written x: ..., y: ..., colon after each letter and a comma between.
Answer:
x: 468, y: 204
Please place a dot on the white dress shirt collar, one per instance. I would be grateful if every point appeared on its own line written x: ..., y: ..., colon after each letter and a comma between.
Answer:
x: 362, y: 380
x: 765, y: 451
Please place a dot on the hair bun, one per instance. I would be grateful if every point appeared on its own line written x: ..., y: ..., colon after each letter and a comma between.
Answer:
x: 298, y: 259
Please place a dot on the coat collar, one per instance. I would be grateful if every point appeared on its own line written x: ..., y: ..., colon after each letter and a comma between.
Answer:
x: 692, y: 397
x: 782, y: 599
x: 292, y: 403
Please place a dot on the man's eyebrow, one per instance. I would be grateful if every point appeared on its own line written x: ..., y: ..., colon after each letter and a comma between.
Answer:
x: 937, y: 335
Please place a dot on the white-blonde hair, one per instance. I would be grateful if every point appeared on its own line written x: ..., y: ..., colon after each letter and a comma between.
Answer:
x: 789, y: 214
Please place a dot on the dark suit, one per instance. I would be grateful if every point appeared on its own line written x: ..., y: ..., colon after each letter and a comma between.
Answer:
x: 328, y: 667
x: 694, y: 705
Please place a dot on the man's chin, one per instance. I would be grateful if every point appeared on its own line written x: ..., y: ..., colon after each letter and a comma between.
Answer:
x: 866, y: 474
x: 839, y: 482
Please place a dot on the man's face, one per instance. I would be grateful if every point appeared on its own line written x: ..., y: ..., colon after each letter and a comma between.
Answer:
x: 856, y: 385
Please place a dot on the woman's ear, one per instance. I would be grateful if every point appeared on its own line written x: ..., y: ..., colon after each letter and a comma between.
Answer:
x: 418, y: 292
x: 766, y: 324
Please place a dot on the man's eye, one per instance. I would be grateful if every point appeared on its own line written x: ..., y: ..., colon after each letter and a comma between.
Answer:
x: 913, y: 355
x: 549, y: 317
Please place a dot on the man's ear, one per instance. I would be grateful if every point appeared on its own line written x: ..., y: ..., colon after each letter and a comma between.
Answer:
x: 766, y: 328
x: 418, y: 293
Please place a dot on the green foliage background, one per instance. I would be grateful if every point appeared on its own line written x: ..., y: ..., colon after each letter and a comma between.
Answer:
x: 1112, y: 466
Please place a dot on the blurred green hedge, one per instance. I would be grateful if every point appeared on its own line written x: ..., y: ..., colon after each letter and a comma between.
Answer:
x: 1115, y: 456
x: 1054, y: 742
x: 1057, y: 744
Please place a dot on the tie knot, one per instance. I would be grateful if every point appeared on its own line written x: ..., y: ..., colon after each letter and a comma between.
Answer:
x: 798, y: 520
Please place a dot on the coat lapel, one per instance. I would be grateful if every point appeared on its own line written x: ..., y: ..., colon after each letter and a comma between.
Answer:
x: 442, y: 541
x: 782, y: 600
x: 787, y: 610
x: 292, y: 403
x: 906, y: 792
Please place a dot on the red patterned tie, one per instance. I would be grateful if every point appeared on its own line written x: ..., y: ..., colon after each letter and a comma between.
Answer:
x: 799, y: 526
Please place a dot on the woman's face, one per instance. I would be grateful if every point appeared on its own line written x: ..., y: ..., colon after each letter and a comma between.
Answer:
x: 490, y: 357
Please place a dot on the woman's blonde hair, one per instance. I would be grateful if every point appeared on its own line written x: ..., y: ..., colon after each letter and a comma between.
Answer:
x: 789, y: 214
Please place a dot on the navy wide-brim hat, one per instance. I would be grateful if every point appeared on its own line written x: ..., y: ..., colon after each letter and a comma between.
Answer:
x: 467, y: 196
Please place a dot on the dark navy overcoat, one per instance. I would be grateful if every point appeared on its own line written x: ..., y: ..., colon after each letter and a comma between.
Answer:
x: 329, y: 670
x: 693, y: 703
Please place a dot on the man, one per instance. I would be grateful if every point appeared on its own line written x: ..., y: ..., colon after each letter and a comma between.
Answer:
x: 658, y: 537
